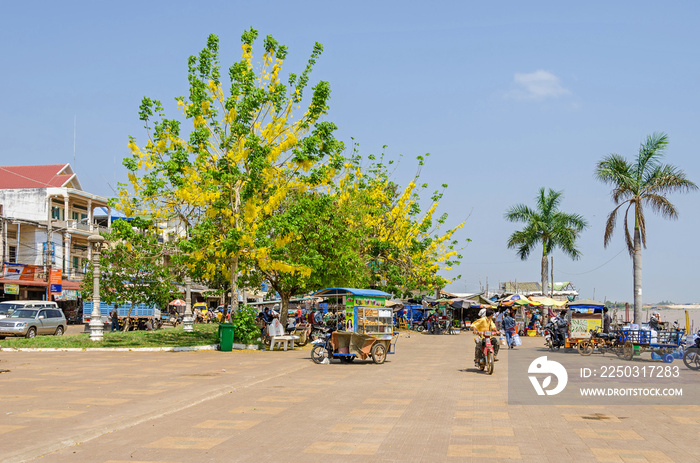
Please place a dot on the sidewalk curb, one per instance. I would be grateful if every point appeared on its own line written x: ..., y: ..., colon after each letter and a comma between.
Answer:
x: 125, y: 349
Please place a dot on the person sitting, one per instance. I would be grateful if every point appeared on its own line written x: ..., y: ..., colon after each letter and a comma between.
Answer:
x: 561, y: 326
x: 654, y: 321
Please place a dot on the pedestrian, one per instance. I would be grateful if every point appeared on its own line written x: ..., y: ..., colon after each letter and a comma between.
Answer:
x: 115, y: 318
x: 606, y: 320
x: 499, y: 318
x: 266, y: 315
x: 509, y: 327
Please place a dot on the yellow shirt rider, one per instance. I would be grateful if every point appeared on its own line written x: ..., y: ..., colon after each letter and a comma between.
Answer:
x: 484, y: 324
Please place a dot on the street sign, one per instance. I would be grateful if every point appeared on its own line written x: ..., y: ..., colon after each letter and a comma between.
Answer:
x: 11, y: 289
x: 55, y: 281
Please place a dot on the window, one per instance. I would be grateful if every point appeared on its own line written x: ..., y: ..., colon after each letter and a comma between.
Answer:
x: 76, y: 262
x: 13, y: 254
x: 56, y: 213
x: 79, y: 216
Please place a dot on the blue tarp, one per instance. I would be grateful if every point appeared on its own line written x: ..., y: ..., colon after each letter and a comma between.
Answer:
x: 328, y: 292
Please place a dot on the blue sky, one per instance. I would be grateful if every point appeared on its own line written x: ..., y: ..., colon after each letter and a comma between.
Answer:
x: 507, y: 97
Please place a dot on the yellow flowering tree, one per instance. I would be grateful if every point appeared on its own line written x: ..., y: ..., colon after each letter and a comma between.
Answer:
x: 244, y: 150
x: 404, y: 247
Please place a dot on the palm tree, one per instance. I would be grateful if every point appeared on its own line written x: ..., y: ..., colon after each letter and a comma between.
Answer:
x: 644, y: 182
x: 546, y: 225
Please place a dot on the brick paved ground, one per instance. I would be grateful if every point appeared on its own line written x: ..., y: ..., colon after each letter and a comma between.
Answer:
x: 426, y: 403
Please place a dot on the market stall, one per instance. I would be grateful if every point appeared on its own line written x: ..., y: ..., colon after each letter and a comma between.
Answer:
x: 369, y: 325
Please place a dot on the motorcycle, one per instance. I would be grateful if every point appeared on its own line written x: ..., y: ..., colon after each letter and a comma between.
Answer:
x: 691, y: 357
x: 487, y: 353
x: 550, y: 336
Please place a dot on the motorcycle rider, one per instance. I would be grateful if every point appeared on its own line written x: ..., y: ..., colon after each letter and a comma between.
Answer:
x: 485, y: 323
x: 560, y: 325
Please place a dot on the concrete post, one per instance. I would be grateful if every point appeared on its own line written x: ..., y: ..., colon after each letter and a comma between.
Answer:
x: 96, y: 324
x: 188, y: 321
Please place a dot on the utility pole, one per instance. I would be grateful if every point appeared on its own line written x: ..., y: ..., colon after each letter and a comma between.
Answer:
x: 551, y: 291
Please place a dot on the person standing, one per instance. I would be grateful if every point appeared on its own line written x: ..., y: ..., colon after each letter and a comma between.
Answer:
x: 509, y: 327
x: 115, y: 318
x: 606, y: 320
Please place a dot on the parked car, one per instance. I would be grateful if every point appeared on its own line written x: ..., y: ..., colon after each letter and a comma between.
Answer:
x: 7, y: 307
x: 30, y: 322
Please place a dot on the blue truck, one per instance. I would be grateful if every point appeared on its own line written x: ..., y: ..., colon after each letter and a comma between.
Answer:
x: 140, y: 314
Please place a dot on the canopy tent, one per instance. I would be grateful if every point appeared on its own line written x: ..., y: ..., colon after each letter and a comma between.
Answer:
x: 329, y: 292
x: 585, y: 304
x: 547, y: 301
x: 518, y: 299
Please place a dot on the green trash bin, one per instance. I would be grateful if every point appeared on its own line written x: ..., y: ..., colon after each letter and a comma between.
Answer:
x: 226, y: 337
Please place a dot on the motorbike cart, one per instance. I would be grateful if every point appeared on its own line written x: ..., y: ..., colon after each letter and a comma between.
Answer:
x: 346, y: 346
x: 662, y: 343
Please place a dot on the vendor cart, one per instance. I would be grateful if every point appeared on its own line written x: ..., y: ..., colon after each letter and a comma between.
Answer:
x: 662, y: 343
x: 585, y: 316
x: 369, y: 327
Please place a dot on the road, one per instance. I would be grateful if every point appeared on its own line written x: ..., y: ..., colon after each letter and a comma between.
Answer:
x: 427, y: 403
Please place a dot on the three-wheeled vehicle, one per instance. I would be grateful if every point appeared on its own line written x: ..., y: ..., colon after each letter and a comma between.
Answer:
x: 585, y: 316
x: 369, y: 327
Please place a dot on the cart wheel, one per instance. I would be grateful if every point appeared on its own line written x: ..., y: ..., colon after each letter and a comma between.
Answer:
x: 585, y: 348
x: 628, y: 351
x: 319, y: 353
x: 378, y: 353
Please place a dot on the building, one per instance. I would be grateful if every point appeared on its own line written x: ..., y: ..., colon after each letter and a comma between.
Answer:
x: 45, y: 220
x: 562, y: 290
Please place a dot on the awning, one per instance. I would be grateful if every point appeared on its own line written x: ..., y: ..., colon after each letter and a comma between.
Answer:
x: 67, y: 284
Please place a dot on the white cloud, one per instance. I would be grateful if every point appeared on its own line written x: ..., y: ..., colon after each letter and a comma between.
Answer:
x: 537, y: 85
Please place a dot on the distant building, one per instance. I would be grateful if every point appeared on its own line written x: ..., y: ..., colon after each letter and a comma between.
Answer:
x: 45, y: 219
x: 562, y: 290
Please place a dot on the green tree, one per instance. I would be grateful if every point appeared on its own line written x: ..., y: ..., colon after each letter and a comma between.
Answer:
x: 312, y: 245
x: 247, y: 148
x: 644, y: 182
x: 545, y: 225
x: 403, y: 246
x: 134, y: 267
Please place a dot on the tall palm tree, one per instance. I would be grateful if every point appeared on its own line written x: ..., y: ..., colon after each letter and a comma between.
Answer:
x: 643, y: 182
x: 545, y: 225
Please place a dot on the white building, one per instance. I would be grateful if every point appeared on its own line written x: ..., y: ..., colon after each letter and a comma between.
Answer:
x: 45, y: 219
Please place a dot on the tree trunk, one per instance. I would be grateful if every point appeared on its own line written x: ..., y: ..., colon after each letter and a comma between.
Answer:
x: 637, y: 273
x: 284, y: 308
x: 127, y: 320
x: 234, y: 285
x: 544, y: 272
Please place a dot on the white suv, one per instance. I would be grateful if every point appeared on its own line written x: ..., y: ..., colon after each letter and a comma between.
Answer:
x: 30, y: 318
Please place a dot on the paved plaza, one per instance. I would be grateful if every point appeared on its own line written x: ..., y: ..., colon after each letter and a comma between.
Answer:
x: 427, y: 403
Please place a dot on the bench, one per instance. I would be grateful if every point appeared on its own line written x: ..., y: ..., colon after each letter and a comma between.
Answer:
x: 280, y: 340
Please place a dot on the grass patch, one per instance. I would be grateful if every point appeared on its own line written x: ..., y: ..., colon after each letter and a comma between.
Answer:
x: 204, y: 334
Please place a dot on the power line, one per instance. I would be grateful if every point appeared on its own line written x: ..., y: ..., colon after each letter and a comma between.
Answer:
x: 593, y: 270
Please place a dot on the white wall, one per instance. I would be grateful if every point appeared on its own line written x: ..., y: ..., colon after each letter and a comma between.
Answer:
x: 27, y: 204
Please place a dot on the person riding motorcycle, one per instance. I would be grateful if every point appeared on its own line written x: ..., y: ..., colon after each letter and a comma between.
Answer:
x: 484, y: 324
x: 560, y: 325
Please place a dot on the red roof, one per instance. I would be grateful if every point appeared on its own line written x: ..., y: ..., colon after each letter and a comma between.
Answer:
x: 54, y: 175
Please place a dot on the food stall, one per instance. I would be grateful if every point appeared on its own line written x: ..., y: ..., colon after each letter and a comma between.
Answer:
x: 369, y: 324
